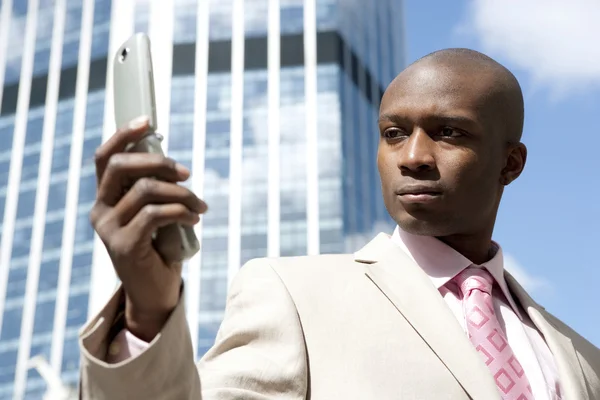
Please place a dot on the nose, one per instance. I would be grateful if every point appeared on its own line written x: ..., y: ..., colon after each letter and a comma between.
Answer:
x: 418, y: 153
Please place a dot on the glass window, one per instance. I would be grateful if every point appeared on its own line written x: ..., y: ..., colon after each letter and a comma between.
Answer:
x: 21, y: 242
x: 57, y: 193
x: 44, y: 317
x: 71, y: 35
x: 181, y: 134
x: 213, y: 292
x: 330, y: 149
x: 35, y: 125
x: 183, y: 91
x: 70, y: 50
x: 327, y: 14
x: 142, y: 15
x: 30, y: 166
x: 35, y: 389
x: 7, y: 127
x: 94, y: 114
x: 4, y: 170
x: 48, y: 275
x: 90, y: 145
x: 45, y: 23
x: 207, y: 333
x: 26, y: 204
x: 81, y: 269
x: 219, y: 166
x: 184, y: 29
x: 35, y: 383
x: 102, y: 9
x: 20, y: 8
x: 292, y: 16
x: 216, y: 174
x: 17, y: 279
x: 77, y: 311
x: 220, y: 19
x: 83, y: 230
x: 256, y: 14
x: 293, y: 163
x: 16, y: 43
x: 70, y: 355
x: 64, y: 119
x: 219, y: 137
x: 11, y: 323
x: 8, y: 360
x: 255, y: 167
x: 41, y: 61
x: 53, y: 235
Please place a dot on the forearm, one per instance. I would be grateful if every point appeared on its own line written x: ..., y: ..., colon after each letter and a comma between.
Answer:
x: 165, y: 367
x: 259, y: 352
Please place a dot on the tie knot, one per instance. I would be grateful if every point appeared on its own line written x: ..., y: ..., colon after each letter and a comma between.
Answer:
x: 474, y: 278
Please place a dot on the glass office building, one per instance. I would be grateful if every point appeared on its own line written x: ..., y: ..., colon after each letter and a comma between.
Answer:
x: 271, y: 103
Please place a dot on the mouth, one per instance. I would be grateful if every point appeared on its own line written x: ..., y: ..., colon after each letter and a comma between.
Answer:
x: 419, y: 194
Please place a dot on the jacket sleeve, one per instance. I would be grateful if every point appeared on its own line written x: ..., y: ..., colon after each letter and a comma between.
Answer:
x: 259, y: 352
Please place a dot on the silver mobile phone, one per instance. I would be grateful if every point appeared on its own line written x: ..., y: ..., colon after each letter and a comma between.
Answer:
x: 134, y: 96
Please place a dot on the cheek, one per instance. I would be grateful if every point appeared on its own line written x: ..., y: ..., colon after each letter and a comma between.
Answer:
x: 383, y: 167
x: 474, y: 180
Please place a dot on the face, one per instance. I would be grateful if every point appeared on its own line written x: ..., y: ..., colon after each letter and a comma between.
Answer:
x: 442, y: 157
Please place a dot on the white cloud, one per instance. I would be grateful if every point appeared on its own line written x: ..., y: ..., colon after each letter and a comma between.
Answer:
x: 532, y: 284
x: 555, y: 41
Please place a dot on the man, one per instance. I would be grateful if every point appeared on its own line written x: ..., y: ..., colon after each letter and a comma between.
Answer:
x: 428, y: 313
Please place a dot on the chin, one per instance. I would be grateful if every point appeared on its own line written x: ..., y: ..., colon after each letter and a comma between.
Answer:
x: 423, y: 225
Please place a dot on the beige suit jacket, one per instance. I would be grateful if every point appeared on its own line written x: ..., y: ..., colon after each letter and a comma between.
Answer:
x: 364, y: 326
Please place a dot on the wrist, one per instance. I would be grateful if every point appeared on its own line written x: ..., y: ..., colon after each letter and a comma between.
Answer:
x: 146, y: 322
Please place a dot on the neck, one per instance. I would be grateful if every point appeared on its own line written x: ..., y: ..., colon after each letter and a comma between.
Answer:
x: 476, y: 245
x: 477, y: 248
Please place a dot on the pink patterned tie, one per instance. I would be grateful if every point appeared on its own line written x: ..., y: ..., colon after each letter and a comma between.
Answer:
x: 487, y: 335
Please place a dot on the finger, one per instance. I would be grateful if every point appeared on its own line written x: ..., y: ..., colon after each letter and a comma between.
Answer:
x: 102, y: 221
x: 154, y: 216
x: 124, y: 169
x: 133, y: 132
x: 151, y: 191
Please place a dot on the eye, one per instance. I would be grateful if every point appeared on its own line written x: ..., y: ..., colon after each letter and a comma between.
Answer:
x: 394, y: 133
x: 450, y: 132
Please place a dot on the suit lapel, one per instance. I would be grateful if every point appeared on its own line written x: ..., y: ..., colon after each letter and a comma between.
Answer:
x: 411, y: 292
x: 570, y: 372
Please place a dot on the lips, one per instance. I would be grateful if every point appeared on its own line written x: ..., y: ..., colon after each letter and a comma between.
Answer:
x: 419, y: 190
x: 419, y: 194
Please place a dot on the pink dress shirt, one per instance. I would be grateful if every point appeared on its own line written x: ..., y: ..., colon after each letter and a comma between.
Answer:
x: 442, y: 263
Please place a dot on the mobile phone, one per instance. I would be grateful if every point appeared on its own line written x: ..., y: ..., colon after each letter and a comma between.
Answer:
x: 133, y: 83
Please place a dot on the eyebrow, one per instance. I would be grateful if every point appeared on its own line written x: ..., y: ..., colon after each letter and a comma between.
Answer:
x: 461, y: 119
x: 390, y: 118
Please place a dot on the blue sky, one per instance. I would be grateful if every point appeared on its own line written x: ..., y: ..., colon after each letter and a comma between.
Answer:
x: 548, y: 222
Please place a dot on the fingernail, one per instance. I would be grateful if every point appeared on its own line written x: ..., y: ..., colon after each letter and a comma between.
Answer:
x: 182, y: 169
x: 138, y: 122
x: 194, y: 218
x: 200, y: 207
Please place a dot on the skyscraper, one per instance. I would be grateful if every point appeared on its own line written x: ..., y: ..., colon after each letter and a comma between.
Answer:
x: 271, y: 103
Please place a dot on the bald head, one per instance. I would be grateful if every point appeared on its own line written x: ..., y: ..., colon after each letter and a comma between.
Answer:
x: 450, y: 126
x: 496, y: 85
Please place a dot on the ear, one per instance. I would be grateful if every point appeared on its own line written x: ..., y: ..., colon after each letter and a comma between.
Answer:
x: 515, y: 163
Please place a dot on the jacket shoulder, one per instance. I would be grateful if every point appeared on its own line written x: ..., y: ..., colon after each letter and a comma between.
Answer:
x: 307, y: 264
x: 311, y: 270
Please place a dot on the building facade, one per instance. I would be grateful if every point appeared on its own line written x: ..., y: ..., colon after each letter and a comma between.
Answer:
x: 271, y: 103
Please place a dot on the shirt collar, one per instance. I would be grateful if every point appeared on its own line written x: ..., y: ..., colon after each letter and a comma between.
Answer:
x: 442, y: 263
